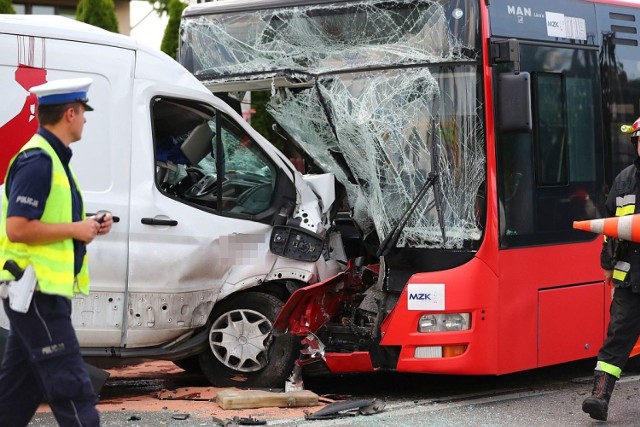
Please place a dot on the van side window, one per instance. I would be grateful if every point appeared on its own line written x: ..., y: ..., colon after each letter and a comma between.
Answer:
x: 225, y: 172
x: 249, y: 178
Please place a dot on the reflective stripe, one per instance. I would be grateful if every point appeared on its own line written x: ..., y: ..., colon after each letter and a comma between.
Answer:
x: 620, y: 270
x: 625, y: 210
x: 619, y: 275
x: 608, y: 368
x: 629, y: 199
x: 623, y: 266
x: 625, y: 205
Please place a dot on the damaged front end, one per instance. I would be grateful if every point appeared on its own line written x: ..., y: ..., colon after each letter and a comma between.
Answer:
x: 342, y: 316
x: 385, y: 96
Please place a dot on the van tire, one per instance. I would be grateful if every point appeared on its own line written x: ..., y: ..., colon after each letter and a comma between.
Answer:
x: 247, y: 366
x: 190, y: 364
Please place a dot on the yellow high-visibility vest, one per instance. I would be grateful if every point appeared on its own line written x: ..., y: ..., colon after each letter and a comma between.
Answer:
x: 53, y: 263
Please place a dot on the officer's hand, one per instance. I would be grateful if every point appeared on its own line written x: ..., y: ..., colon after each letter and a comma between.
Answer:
x: 86, y: 230
x: 608, y: 277
x: 105, y: 219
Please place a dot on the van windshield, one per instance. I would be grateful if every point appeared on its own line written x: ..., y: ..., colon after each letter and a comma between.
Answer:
x: 380, y: 93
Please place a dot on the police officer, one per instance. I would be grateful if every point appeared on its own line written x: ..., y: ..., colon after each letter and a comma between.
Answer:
x: 43, y: 224
x: 621, y: 263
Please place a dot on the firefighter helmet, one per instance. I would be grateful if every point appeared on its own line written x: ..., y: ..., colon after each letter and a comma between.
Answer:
x: 634, y: 129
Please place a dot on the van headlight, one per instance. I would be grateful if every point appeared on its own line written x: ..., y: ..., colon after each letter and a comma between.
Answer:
x: 445, y: 322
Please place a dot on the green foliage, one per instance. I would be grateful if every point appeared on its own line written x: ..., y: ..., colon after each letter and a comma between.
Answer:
x: 6, y: 7
x: 101, y: 13
x: 171, y: 37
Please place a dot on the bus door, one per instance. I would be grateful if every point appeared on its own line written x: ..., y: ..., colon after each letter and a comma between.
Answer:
x: 548, y: 177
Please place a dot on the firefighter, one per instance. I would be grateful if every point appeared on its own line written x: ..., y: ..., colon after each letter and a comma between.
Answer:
x: 620, y: 261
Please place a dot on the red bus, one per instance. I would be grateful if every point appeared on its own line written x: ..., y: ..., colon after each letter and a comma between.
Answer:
x: 465, y: 136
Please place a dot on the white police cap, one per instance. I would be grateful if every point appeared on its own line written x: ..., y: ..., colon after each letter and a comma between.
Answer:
x: 64, y: 91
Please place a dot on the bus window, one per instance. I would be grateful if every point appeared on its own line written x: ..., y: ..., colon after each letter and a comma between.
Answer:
x: 552, y: 176
x: 550, y: 131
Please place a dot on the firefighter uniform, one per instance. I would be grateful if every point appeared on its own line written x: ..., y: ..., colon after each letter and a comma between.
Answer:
x: 42, y: 360
x: 623, y: 258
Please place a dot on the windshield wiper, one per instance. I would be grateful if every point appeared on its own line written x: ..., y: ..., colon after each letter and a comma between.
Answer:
x: 394, y: 235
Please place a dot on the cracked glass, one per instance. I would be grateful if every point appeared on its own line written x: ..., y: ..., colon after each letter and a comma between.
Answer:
x: 383, y: 94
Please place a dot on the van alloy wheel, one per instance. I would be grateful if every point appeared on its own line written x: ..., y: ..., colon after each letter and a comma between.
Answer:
x: 239, y: 339
x: 242, y: 352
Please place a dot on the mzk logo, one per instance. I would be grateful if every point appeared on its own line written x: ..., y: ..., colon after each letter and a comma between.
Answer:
x: 426, y: 296
x: 420, y: 297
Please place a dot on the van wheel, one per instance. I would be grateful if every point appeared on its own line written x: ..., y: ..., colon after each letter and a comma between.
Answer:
x: 242, y: 351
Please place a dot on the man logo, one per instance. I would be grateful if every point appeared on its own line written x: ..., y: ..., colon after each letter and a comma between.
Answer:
x: 519, y: 11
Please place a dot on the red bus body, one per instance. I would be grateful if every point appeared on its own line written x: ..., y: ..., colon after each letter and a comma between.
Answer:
x: 535, y: 297
x: 531, y: 306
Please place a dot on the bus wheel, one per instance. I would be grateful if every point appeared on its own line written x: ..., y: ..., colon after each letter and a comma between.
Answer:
x: 242, y: 351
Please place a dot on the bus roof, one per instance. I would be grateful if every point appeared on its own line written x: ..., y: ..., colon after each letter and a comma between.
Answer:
x: 631, y: 3
x: 225, y: 6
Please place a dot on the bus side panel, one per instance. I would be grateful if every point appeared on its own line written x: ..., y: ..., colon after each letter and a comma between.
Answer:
x: 525, y: 272
x: 472, y: 288
x: 570, y: 322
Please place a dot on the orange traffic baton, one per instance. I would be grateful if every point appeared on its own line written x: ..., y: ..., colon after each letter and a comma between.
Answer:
x: 622, y: 227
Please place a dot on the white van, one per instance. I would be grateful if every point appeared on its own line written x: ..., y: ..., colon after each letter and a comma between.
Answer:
x: 215, y: 227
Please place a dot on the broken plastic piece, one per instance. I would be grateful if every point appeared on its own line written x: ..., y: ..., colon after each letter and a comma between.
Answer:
x: 349, y: 408
x: 180, y: 416
x: 239, y: 421
x: 249, y: 421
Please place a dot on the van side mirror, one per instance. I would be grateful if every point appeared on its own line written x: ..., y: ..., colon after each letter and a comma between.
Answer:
x: 514, y: 102
x: 296, y: 243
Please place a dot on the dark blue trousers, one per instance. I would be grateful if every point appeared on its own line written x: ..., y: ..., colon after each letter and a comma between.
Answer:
x: 42, y: 363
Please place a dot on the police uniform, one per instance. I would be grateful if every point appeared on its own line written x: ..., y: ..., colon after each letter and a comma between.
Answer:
x: 42, y: 360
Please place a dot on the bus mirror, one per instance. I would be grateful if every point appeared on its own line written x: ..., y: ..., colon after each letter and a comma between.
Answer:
x: 514, y: 102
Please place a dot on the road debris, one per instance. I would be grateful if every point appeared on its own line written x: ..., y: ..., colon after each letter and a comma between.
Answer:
x: 248, y: 399
x: 349, y: 408
x: 239, y: 421
x: 190, y: 393
x: 180, y: 416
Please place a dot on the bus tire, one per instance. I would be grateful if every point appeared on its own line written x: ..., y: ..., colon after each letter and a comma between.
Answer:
x: 242, y: 352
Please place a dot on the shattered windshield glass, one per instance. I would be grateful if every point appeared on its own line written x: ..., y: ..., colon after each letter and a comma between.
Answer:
x: 379, y: 93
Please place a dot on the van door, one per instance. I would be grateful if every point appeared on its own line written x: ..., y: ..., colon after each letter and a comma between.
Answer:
x: 204, y: 195
x: 101, y: 159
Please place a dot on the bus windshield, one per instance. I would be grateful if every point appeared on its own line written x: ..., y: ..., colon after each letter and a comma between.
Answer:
x: 380, y: 93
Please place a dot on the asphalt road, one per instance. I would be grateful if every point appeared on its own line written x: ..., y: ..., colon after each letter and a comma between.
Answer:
x: 542, y: 397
